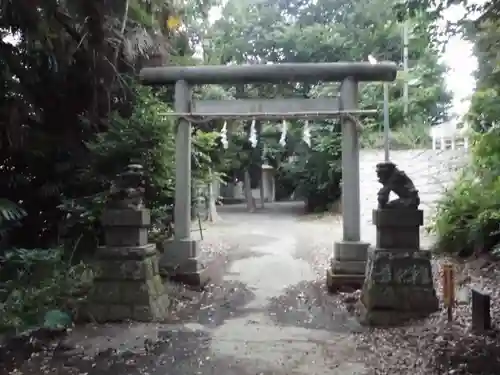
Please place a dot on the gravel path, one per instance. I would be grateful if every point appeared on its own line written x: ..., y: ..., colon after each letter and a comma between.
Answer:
x: 274, y: 315
x: 270, y: 314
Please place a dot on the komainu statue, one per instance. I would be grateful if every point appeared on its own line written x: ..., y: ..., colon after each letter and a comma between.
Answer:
x: 400, y: 184
x: 128, y: 189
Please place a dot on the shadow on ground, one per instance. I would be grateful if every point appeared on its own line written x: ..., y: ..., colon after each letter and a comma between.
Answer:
x: 472, y: 355
x: 177, y: 353
x: 216, y: 304
x: 309, y: 305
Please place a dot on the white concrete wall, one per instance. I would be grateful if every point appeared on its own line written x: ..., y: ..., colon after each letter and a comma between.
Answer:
x: 430, y: 170
x: 448, y: 135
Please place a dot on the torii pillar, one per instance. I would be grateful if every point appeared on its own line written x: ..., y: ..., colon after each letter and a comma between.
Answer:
x: 348, y: 262
x: 350, y: 253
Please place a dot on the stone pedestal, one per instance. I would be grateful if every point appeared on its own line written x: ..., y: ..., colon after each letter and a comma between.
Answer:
x: 398, y: 287
x: 128, y: 285
x: 182, y: 261
x: 348, y: 265
x: 399, y: 283
x: 398, y: 228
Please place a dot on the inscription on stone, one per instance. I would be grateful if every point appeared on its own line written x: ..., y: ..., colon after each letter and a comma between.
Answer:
x: 382, y: 271
x: 388, y: 269
x: 412, y: 272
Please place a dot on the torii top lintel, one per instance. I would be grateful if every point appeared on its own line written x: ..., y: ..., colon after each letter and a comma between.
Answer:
x: 270, y: 73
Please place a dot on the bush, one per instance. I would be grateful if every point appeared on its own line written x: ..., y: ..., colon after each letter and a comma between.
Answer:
x: 146, y: 137
x: 318, y: 171
x: 467, y: 218
x: 411, y: 136
x: 37, y: 282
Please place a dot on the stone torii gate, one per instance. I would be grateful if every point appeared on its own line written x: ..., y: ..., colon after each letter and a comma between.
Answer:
x: 350, y: 254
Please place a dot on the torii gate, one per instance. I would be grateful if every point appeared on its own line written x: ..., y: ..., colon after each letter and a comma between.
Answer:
x: 350, y: 254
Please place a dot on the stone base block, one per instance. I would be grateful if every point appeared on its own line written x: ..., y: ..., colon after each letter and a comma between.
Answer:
x: 398, y: 228
x: 398, y: 283
x: 181, y: 261
x: 348, y: 265
x: 176, y: 253
x: 337, y: 282
x: 136, y: 253
x: 129, y: 288
x: 209, y: 272
x: 126, y: 227
x: 126, y: 236
x: 395, y: 217
x: 126, y: 217
x: 156, y: 310
x: 386, y: 318
x: 350, y: 251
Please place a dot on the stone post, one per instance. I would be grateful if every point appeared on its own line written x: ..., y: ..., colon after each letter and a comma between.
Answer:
x: 180, y: 258
x: 348, y: 262
x: 128, y: 285
x: 399, y: 283
x: 267, y: 183
x: 183, y: 164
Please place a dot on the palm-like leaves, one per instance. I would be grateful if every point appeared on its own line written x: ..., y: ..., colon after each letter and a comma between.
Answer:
x: 10, y: 214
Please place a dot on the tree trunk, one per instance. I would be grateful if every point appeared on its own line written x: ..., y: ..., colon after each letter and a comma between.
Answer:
x: 248, y: 192
x: 260, y: 125
x: 213, y: 216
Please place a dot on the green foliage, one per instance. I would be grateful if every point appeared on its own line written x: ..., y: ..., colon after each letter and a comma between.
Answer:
x: 406, y: 137
x: 10, y: 215
x: 317, y: 172
x: 337, y: 30
x: 72, y: 117
x: 56, y: 319
x: 205, y: 156
x: 146, y: 137
x: 35, y: 281
x: 328, y: 31
x: 484, y: 112
x: 10, y: 212
x: 467, y: 218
